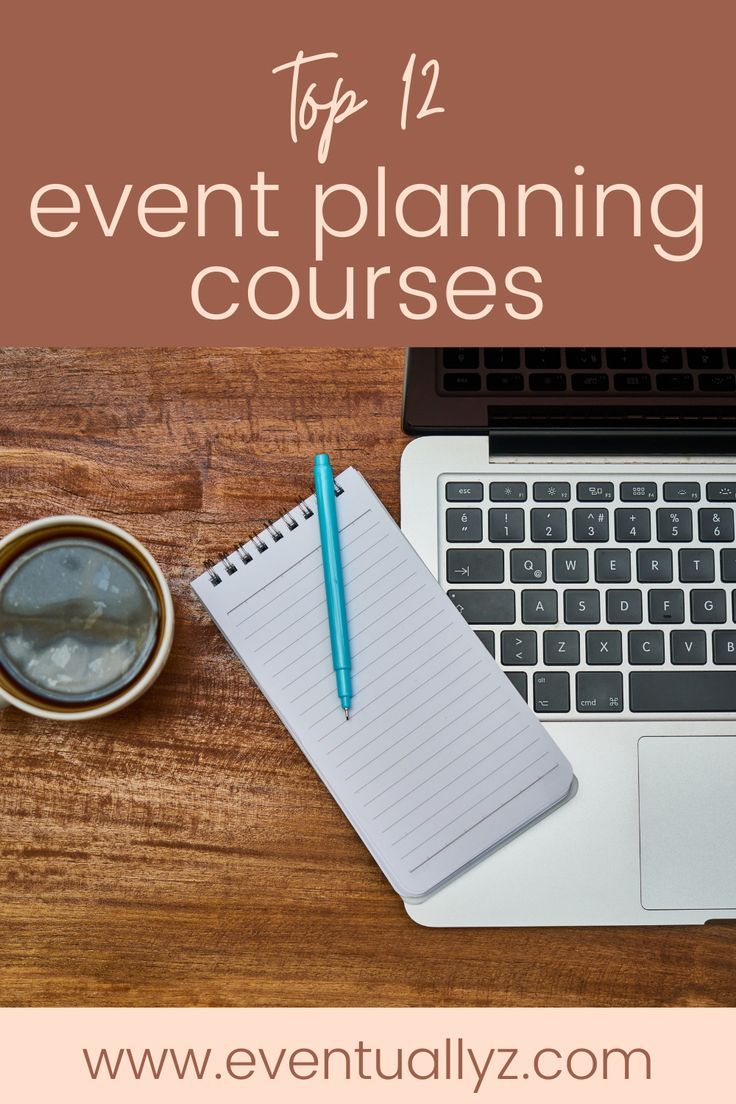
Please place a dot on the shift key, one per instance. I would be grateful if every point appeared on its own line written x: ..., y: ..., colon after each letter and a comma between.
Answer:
x: 485, y: 607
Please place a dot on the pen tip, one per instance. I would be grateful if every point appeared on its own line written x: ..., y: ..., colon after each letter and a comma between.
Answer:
x: 347, y: 714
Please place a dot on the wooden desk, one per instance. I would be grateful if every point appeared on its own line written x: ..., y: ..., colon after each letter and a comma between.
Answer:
x: 183, y: 852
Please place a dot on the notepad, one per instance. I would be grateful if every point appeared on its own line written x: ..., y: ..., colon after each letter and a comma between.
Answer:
x: 441, y: 761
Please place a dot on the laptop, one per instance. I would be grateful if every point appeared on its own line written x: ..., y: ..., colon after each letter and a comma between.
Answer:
x: 577, y: 506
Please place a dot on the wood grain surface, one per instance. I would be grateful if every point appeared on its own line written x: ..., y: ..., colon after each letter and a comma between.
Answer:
x: 183, y: 853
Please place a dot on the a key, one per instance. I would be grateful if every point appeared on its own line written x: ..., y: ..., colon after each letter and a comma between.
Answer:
x: 612, y: 565
x: 528, y: 565
x: 728, y: 565
x: 583, y: 360
x: 666, y: 606
x: 466, y: 359
x: 488, y: 639
x: 638, y: 492
x: 673, y: 382
x: 704, y: 359
x: 687, y: 646
x: 461, y: 381
x: 547, y: 381
x: 623, y: 360
x: 674, y: 525
x: 717, y: 381
x: 464, y: 492
x: 707, y: 607
x: 720, y: 492
x: 665, y: 359
x: 505, y: 381
x: 508, y: 492
x: 474, y: 565
x: 464, y: 525
x: 595, y: 492
x: 506, y: 526
x: 539, y: 607
x: 506, y: 359
x: 632, y: 381
x: 681, y: 492
x: 551, y: 492
x: 485, y: 607
x: 549, y: 525
x: 582, y: 607
x: 654, y: 565
x: 518, y: 681
x: 542, y: 360
x: 590, y: 526
x: 633, y: 525
x: 724, y: 646
x: 519, y: 649
x: 570, y: 565
x: 551, y: 691
x: 682, y: 691
x: 603, y: 647
x: 646, y: 646
x: 623, y: 607
x: 716, y: 525
x: 561, y: 649
x: 589, y: 381
x: 697, y: 565
x: 600, y: 691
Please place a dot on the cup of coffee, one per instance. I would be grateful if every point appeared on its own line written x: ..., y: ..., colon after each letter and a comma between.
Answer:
x: 86, y: 619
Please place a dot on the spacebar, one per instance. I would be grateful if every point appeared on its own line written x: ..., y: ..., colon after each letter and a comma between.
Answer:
x: 682, y: 691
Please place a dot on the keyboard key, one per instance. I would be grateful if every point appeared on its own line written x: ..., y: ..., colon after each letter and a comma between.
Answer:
x: 551, y: 492
x: 487, y: 639
x: 674, y: 526
x: 707, y: 607
x: 717, y: 381
x: 630, y: 381
x: 570, y: 565
x: 687, y: 646
x: 697, y: 565
x: 623, y: 360
x: 590, y: 526
x: 720, y: 492
x: 716, y: 525
x: 731, y: 354
x: 638, y: 492
x: 665, y: 359
x: 646, y: 646
x: 589, y: 382
x: 505, y: 381
x: 551, y: 692
x: 461, y: 381
x: 506, y: 526
x: 539, y: 607
x: 666, y: 606
x: 485, y: 607
x: 654, y: 565
x: 682, y: 492
x: 507, y: 360
x: 582, y: 607
x: 600, y: 691
x: 603, y: 647
x: 633, y: 525
x: 464, y: 525
x: 519, y: 649
x: 704, y: 359
x: 549, y: 525
x: 682, y: 691
x: 595, y: 492
x: 518, y: 681
x: 724, y: 646
x: 466, y: 359
x: 474, y: 565
x: 561, y: 649
x: 464, y: 492
x: 508, y: 492
x: 728, y: 565
x: 667, y: 382
x: 547, y: 381
x: 528, y: 565
x: 612, y: 565
x: 623, y: 607
x: 542, y: 360
x: 583, y: 359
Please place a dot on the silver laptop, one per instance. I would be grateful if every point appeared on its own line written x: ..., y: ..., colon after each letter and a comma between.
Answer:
x: 578, y: 506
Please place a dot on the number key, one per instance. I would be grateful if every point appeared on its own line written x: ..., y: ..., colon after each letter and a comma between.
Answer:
x: 506, y: 526
x: 716, y: 525
x: 674, y: 525
x: 590, y: 525
x: 633, y: 525
x: 549, y: 525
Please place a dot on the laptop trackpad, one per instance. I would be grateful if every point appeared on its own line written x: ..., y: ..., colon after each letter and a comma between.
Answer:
x: 687, y: 822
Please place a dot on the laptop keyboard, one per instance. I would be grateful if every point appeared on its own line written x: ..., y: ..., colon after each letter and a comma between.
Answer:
x: 603, y: 596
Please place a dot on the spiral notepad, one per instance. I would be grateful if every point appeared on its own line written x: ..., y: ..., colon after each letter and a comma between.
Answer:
x: 441, y: 760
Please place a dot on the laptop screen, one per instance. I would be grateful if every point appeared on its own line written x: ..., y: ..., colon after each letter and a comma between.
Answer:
x: 512, y: 390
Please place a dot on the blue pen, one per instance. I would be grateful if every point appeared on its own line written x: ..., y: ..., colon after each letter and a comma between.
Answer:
x: 324, y: 484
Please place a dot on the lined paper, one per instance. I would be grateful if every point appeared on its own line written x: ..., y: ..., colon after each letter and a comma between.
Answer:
x: 441, y: 760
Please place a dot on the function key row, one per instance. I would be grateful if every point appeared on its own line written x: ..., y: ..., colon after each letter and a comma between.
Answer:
x: 464, y: 525
x: 588, y: 360
x: 517, y: 491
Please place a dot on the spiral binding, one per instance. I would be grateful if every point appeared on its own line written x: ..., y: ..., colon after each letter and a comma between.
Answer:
x: 225, y: 565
